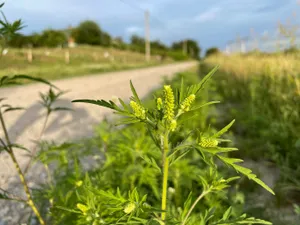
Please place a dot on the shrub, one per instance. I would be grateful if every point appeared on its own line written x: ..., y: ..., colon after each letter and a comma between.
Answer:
x: 88, y: 32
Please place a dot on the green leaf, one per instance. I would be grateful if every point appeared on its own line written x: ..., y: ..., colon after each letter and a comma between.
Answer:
x: 13, y: 109
x: 227, y: 214
x: 123, y: 104
x: 217, y: 150
x: 2, y: 4
x: 20, y: 147
x: 224, y: 130
x: 245, y: 171
x: 136, y: 97
x: 179, y: 157
x: 203, y: 105
x: 242, y: 220
x: 5, y: 80
x: 102, y: 103
x: 181, y: 93
x: 67, y: 209
x: 62, y: 109
x: 151, y: 161
x: 194, y: 89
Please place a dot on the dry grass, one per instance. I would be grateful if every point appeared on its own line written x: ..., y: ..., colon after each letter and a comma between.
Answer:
x: 50, y: 63
x: 250, y: 66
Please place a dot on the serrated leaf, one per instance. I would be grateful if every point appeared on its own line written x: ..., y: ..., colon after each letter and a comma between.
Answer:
x: 245, y: 171
x: 6, y: 79
x: 217, y: 150
x: 151, y: 161
x: 102, y: 103
x: 242, y: 220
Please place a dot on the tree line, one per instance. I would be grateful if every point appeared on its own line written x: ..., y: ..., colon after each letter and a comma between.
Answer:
x: 89, y: 32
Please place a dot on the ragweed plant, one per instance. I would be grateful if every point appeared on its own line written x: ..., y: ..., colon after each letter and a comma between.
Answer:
x: 7, y: 31
x: 163, y: 122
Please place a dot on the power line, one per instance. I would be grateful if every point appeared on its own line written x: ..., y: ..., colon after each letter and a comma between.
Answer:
x: 135, y: 6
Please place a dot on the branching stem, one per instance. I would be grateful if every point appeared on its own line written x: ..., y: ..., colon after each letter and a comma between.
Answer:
x: 29, y: 200
x: 194, y: 205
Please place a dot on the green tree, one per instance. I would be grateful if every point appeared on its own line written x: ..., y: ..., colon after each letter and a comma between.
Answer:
x: 157, y: 44
x: 192, y: 47
x: 106, y: 39
x: 34, y: 40
x: 18, y: 41
x: 88, y: 32
x: 212, y: 51
x: 52, y: 38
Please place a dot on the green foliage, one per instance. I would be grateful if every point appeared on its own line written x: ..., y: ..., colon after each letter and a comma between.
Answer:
x: 192, y: 47
x: 88, y: 32
x: 162, y: 124
x: 212, y: 51
x: 266, y: 106
x: 52, y: 38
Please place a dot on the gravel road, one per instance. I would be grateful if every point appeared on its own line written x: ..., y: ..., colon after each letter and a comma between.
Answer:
x: 25, y: 126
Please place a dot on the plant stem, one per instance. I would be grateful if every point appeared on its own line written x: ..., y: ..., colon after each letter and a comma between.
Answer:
x: 20, y: 173
x: 165, y: 176
x: 38, y: 140
x: 193, y: 206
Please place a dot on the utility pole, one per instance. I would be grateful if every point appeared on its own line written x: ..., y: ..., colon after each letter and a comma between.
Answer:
x: 147, y: 37
x: 254, y: 40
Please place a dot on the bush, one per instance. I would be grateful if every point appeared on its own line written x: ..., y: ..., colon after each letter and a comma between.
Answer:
x: 177, y: 56
x: 52, y: 38
x: 88, y: 32
x: 212, y: 51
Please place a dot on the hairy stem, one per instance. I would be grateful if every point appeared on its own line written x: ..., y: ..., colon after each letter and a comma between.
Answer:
x: 194, y: 205
x: 165, y: 175
x: 20, y: 173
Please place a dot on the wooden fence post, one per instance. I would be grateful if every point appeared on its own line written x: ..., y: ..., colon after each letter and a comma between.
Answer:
x: 29, y: 55
x: 67, y: 56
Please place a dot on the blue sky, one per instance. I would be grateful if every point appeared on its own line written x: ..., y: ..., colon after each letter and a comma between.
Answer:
x: 210, y: 22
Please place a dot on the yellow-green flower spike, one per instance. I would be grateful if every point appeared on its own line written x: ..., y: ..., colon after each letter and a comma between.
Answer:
x: 138, y: 110
x: 186, y: 104
x: 168, y: 103
x: 79, y: 183
x: 173, y: 125
x: 207, y: 142
x: 130, y: 207
x: 82, y: 208
x: 159, y: 103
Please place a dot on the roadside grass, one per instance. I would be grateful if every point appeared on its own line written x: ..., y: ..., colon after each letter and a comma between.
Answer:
x: 50, y: 64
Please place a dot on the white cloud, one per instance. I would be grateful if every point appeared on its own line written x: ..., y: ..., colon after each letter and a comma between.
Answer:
x: 208, y: 15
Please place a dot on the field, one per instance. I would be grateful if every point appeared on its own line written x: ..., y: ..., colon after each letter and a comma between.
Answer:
x: 54, y: 63
x: 260, y: 92
x: 263, y: 93
x: 123, y: 181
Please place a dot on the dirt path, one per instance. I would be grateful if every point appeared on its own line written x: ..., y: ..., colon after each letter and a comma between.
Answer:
x: 25, y: 126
